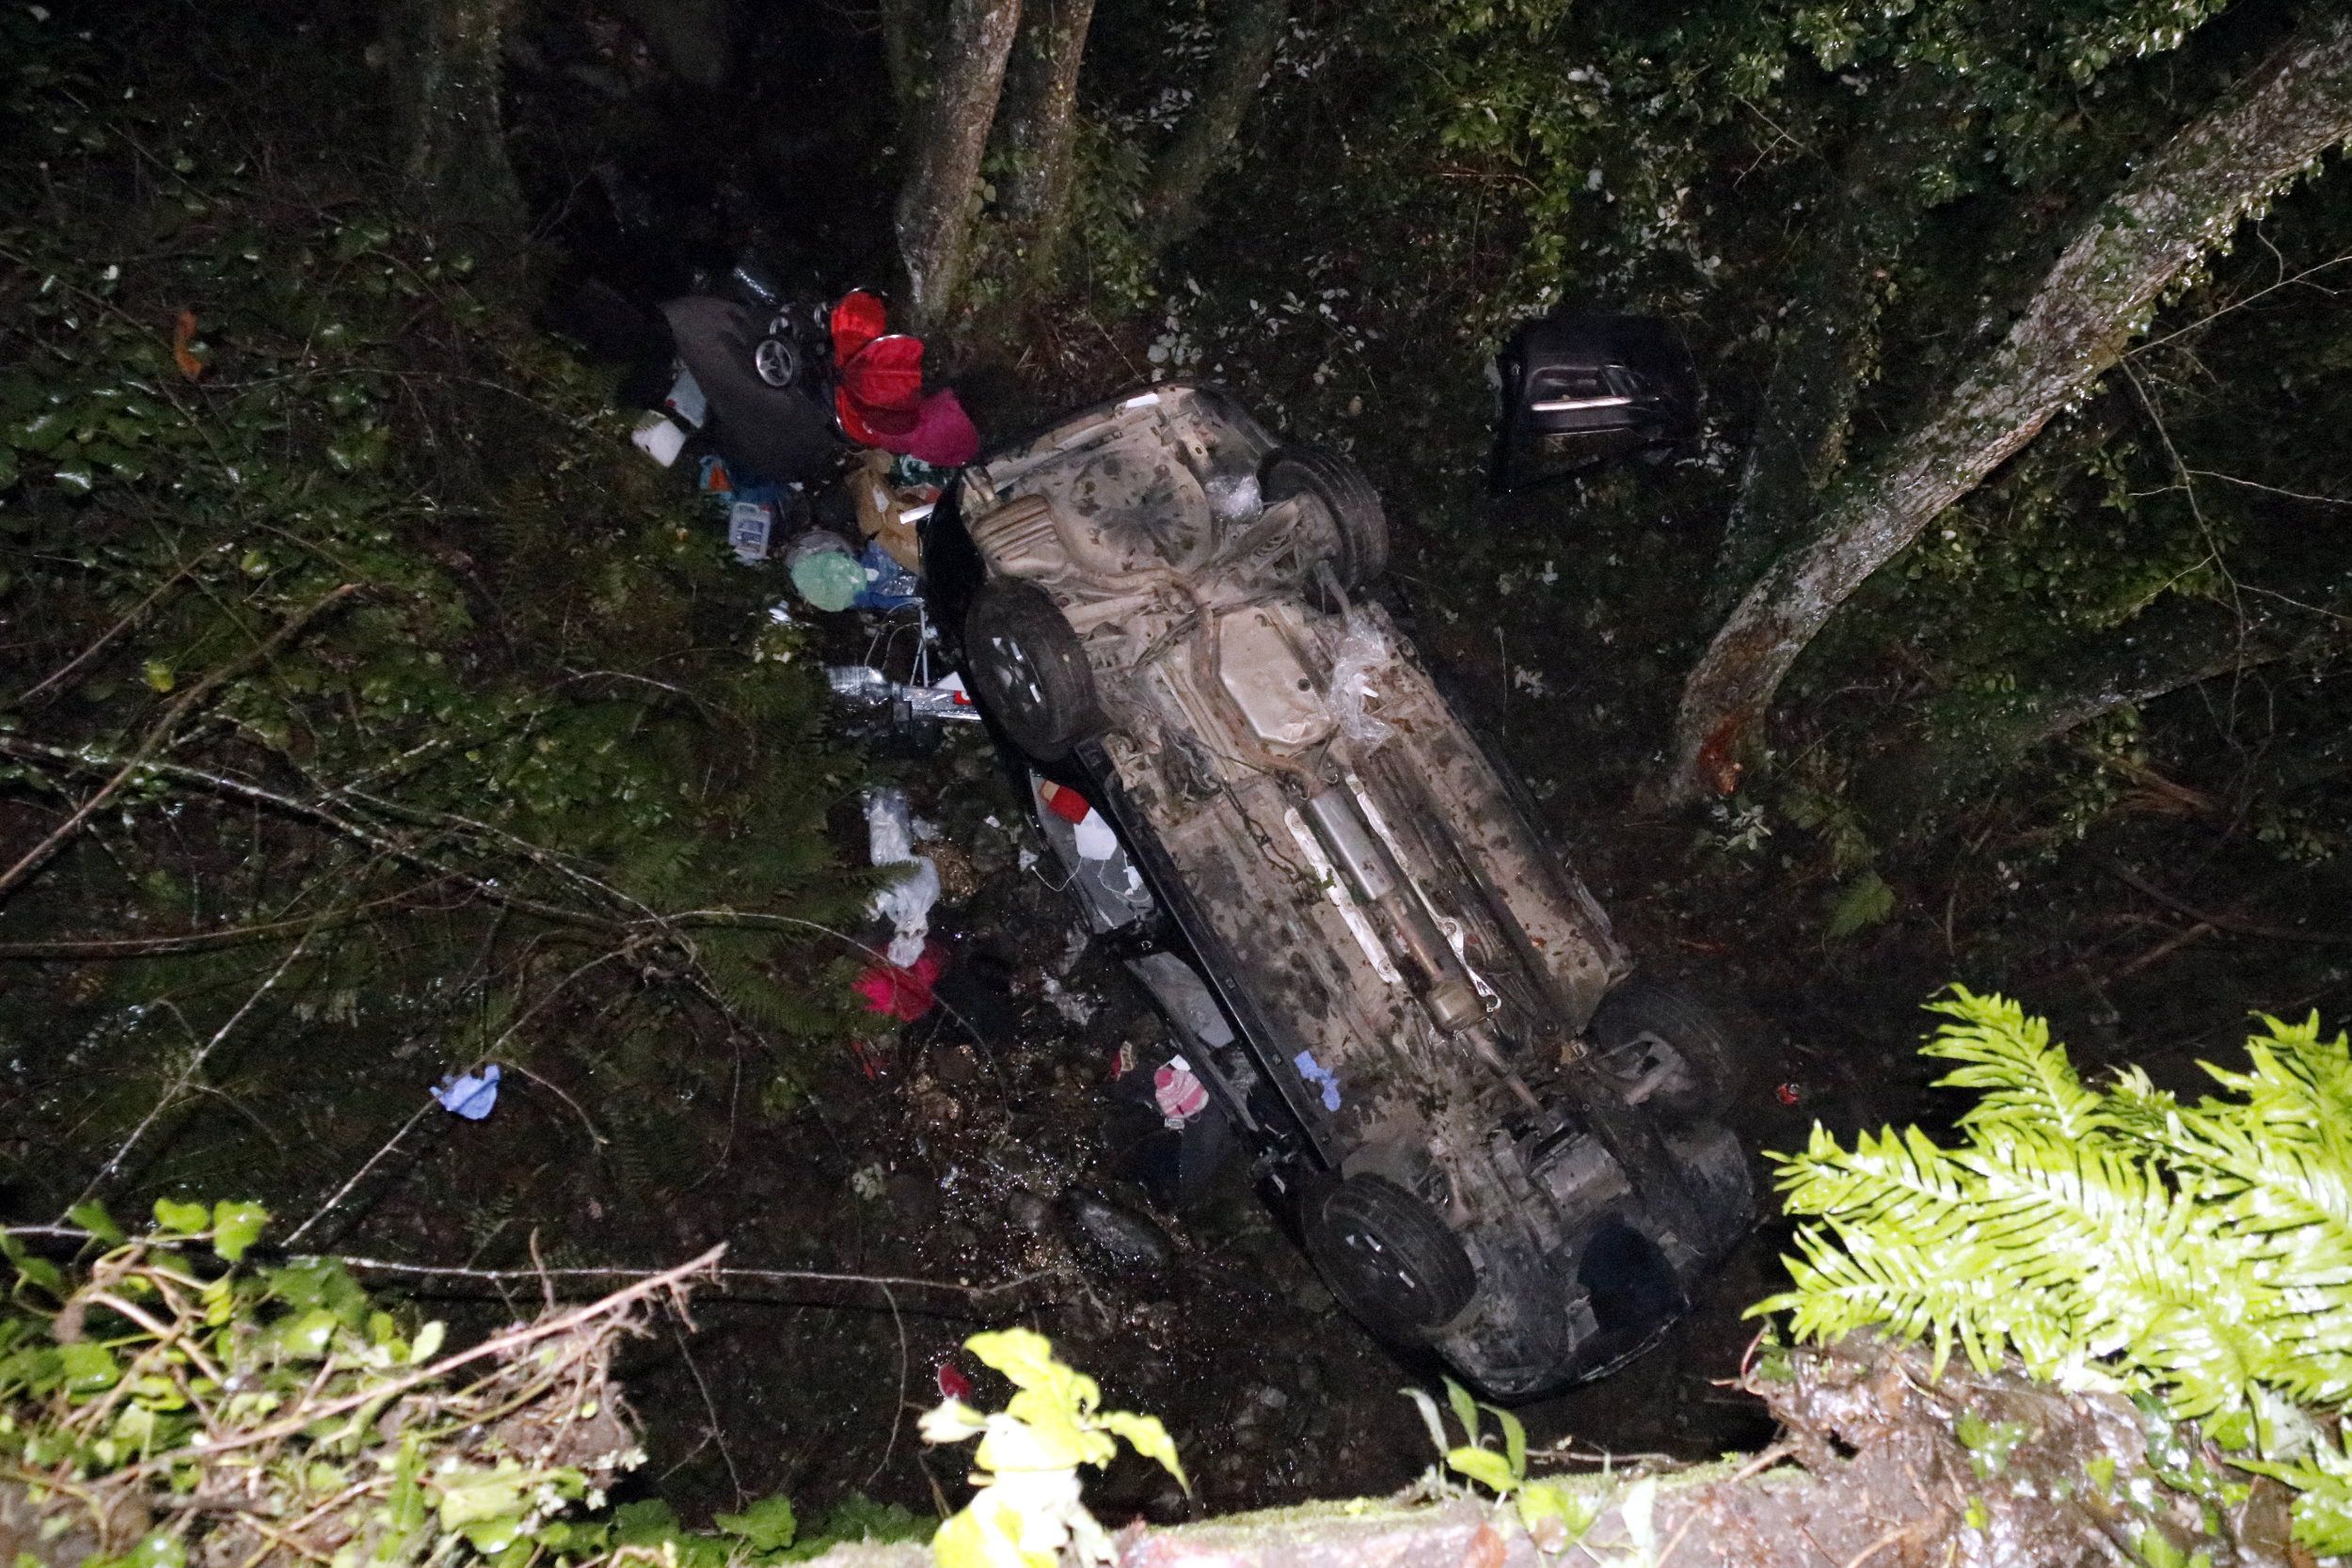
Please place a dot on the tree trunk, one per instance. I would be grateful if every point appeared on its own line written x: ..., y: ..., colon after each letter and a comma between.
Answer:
x: 1041, y: 132
x: 1245, y: 52
x: 936, y: 205
x: 446, y: 57
x: 1828, y: 349
x: 2183, y: 203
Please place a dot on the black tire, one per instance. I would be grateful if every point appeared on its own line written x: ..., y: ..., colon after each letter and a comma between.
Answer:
x: 1388, y: 1258
x: 1028, y: 669
x: 1359, y: 550
x: 1642, y: 1010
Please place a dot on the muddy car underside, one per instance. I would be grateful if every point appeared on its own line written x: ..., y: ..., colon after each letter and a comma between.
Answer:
x: 1173, y: 608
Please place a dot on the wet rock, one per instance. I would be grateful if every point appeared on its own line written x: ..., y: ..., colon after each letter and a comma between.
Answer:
x: 1029, y: 1213
x: 1120, y: 1236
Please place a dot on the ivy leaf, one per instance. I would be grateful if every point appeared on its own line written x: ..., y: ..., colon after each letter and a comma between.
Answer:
x: 92, y: 1217
x: 235, y: 1228
x: 88, y: 1367
x: 187, y: 1219
x: 768, y: 1526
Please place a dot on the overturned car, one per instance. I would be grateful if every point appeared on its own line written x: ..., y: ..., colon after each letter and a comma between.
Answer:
x: 1492, y: 1139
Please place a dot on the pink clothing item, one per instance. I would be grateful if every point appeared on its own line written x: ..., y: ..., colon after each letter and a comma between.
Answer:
x: 904, y: 994
x: 943, y: 435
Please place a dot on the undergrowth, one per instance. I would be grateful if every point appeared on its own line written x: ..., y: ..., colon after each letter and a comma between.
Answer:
x: 366, y: 699
x: 168, y: 1400
x: 2196, y: 1255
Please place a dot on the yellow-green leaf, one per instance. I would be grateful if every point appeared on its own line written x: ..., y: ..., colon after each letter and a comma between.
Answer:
x: 1148, y: 1437
x: 1484, y: 1466
x: 187, y: 1219
x: 236, y: 1226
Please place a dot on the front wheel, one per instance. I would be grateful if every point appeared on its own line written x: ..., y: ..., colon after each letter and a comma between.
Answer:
x: 1667, y: 1048
x: 1387, y: 1256
x: 1029, y: 670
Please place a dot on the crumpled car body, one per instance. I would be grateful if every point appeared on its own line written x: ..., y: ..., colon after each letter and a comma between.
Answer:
x: 1344, y: 905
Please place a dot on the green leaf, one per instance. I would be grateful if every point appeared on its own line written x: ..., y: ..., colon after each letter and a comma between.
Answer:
x: 235, y: 1228
x: 1465, y: 1409
x: 92, y: 1217
x: 428, y: 1342
x: 1148, y: 1437
x: 186, y: 1219
x: 1484, y: 1466
x: 767, y: 1526
x: 1513, y: 1441
x: 1865, y: 902
x: 88, y: 1367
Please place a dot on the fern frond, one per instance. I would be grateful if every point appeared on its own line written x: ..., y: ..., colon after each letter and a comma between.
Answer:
x: 2010, y: 1059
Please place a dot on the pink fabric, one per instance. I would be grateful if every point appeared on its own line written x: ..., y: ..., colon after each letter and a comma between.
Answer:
x: 943, y: 435
x: 904, y: 994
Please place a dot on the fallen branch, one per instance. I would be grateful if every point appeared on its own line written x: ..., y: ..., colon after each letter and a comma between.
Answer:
x: 160, y: 733
x: 2226, y: 923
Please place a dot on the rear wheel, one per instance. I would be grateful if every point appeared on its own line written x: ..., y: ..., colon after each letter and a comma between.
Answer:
x: 1387, y: 1256
x: 1028, y: 669
x: 1636, y: 1019
x: 1359, y: 548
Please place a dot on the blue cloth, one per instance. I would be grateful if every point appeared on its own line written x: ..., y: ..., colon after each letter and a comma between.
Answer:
x: 470, y: 1095
x: 1317, y: 1073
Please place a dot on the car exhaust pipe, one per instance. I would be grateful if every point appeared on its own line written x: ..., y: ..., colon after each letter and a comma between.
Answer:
x: 1428, y: 961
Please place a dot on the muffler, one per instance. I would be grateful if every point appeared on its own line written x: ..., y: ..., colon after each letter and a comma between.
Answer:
x: 1428, y: 962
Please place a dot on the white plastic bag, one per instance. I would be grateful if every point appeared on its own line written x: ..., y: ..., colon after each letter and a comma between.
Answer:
x: 906, y: 903
x: 1363, y: 649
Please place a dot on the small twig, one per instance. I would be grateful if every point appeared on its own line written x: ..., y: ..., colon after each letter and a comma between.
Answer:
x: 196, y: 1064
x: 161, y: 731
x: 442, y: 1271
x: 129, y: 618
x: 898, y: 1405
x: 2225, y: 922
x: 672, y: 1280
x: 711, y: 1409
x: 345, y: 1191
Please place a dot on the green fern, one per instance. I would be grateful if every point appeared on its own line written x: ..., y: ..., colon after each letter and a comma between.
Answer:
x: 2111, y: 1237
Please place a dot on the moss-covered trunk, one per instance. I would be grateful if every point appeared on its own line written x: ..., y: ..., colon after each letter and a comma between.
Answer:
x: 446, y: 56
x: 1245, y: 52
x: 1041, y: 132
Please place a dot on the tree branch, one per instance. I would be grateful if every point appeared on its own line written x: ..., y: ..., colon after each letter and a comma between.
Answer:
x: 2184, y: 202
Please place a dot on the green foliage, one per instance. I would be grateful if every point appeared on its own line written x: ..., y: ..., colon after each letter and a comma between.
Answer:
x: 167, y: 1368
x: 1028, y: 1510
x: 452, y: 687
x: 1555, y: 1512
x: 2197, y: 1254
